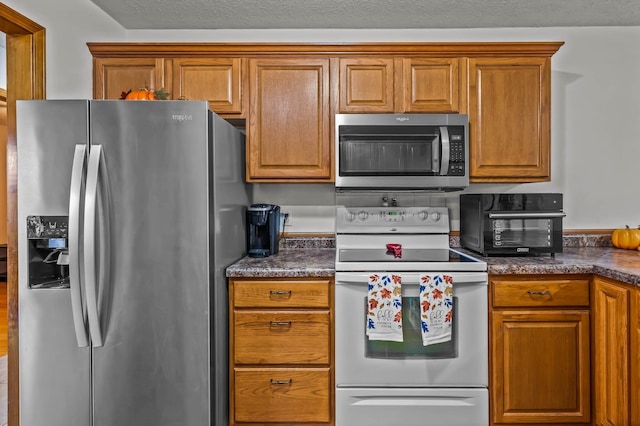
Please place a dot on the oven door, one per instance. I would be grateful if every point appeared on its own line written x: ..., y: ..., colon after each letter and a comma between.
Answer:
x: 462, y: 362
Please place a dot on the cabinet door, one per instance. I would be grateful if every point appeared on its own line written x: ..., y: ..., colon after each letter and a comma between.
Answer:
x: 611, y: 343
x: 289, y: 131
x: 541, y: 366
x: 366, y: 85
x: 433, y: 85
x: 112, y: 76
x: 509, y: 119
x: 216, y: 80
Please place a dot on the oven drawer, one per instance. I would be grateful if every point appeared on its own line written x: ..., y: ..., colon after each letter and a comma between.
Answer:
x: 281, y: 337
x: 539, y: 292
x: 412, y: 406
x: 281, y: 294
x: 281, y: 395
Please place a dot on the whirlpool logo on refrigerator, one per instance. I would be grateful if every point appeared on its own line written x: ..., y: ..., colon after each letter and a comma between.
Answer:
x: 182, y: 117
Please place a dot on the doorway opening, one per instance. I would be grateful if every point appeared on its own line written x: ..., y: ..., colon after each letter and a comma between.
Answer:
x: 25, y: 42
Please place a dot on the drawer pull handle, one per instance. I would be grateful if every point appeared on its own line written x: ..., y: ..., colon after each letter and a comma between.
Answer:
x: 281, y: 382
x: 280, y: 293
x: 540, y: 293
x: 280, y: 323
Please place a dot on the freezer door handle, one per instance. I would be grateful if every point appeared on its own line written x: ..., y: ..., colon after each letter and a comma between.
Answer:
x: 96, y: 213
x: 75, y: 198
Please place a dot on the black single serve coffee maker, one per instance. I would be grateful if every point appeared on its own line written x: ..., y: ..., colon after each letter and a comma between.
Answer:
x: 263, y: 230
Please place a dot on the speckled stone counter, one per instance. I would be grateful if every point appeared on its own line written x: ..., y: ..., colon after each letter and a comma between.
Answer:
x: 617, y: 264
x: 297, y: 258
x: 288, y: 262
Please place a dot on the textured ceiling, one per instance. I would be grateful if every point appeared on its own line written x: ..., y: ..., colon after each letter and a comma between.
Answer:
x: 263, y: 14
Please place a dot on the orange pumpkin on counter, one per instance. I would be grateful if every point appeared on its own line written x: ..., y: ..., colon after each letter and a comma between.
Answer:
x: 626, y: 238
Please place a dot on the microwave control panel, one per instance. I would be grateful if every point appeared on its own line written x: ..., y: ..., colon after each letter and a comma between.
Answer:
x: 457, y: 154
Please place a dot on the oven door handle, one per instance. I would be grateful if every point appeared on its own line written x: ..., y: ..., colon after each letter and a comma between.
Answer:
x: 525, y: 215
x: 362, y: 278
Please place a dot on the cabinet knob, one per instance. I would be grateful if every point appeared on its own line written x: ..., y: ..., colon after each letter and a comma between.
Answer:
x: 281, y: 382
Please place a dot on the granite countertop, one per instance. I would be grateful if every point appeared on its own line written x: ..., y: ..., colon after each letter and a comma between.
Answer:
x: 288, y: 262
x: 617, y: 264
x: 298, y: 260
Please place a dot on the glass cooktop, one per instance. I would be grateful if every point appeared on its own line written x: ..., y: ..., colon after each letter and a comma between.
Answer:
x: 404, y: 255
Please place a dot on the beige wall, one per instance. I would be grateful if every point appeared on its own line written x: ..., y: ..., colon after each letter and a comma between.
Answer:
x: 595, y: 103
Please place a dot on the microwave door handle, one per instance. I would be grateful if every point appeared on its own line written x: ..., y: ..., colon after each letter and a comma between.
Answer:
x: 525, y: 215
x: 444, y: 141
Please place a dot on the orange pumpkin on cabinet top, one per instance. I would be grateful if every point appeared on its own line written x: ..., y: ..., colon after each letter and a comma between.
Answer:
x: 626, y: 238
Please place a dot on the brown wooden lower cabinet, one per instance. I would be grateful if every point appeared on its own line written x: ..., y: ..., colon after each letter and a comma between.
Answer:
x: 616, y: 329
x: 281, y: 356
x: 540, y: 350
x: 285, y: 395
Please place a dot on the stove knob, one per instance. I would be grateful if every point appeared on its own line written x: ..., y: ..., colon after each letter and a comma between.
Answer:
x: 350, y: 216
x: 363, y: 215
x: 423, y: 215
x: 435, y: 216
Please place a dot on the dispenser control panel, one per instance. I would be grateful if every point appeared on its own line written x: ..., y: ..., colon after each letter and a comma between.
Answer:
x: 48, y: 251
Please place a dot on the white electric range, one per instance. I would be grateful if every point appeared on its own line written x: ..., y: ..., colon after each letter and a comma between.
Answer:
x: 386, y: 382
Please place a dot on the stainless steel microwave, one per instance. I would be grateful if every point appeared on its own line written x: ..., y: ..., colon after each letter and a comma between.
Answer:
x: 511, y: 224
x: 402, y: 151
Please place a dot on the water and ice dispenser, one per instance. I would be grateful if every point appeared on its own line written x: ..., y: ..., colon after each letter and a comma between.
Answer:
x: 48, y: 238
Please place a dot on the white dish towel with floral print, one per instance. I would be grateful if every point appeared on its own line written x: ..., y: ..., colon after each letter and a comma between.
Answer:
x: 436, y: 305
x: 384, y: 308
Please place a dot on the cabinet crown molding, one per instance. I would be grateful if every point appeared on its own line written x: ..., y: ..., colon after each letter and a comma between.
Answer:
x: 440, y: 49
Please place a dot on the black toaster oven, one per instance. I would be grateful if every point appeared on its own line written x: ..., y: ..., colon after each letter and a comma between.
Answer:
x: 511, y: 224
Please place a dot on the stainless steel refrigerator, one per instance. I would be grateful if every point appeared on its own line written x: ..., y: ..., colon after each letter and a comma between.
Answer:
x: 128, y: 214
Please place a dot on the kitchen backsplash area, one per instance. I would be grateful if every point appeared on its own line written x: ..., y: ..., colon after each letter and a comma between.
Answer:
x: 311, y: 210
x: 573, y: 240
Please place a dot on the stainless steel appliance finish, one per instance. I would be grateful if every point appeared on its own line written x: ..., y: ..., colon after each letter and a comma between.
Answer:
x: 379, y: 382
x: 402, y: 151
x: 154, y: 193
x: 512, y: 224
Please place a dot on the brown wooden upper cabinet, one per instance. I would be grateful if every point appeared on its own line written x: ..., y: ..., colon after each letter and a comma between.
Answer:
x: 388, y: 85
x: 216, y: 80
x: 288, y: 133
x: 112, y: 76
x: 509, y: 119
x: 366, y: 85
x: 434, y: 85
x: 286, y: 95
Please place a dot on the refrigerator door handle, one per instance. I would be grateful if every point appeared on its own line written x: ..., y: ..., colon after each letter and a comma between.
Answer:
x: 75, y: 198
x: 96, y: 202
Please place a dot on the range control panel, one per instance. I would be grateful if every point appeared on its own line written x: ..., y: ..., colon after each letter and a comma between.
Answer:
x: 428, y: 220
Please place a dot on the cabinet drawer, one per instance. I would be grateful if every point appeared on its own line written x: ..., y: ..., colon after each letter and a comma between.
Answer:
x: 532, y: 293
x: 294, y: 395
x: 281, y: 337
x: 281, y: 294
